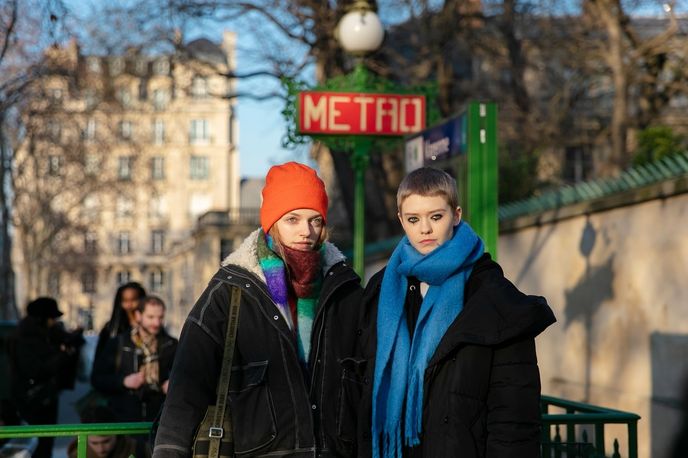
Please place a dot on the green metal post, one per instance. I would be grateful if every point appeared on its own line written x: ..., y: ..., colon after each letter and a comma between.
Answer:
x: 359, y: 162
x: 599, y: 439
x: 82, y: 445
x: 633, y: 439
x: 482, y: 173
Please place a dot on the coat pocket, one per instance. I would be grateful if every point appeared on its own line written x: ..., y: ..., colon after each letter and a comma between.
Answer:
x: 252, y: 410
x: 350, y: 392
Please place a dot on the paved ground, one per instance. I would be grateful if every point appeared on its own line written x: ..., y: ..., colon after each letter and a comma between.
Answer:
x: 67, y: 411
x: 67, y: 414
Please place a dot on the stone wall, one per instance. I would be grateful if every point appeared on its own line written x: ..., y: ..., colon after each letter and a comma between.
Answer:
x: 614, y: 274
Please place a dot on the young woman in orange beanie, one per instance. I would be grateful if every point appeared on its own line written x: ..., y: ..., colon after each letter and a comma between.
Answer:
x: 296, y: 333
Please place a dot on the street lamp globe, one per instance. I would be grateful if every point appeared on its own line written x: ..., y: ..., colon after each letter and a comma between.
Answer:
x: 360, y: 31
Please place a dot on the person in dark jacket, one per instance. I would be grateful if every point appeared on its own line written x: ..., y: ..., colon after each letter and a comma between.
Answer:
x: 447, y: 362
x: 43, y: 360
x: 297, y: 320
x: 133, y: 370
x: 123, y: 316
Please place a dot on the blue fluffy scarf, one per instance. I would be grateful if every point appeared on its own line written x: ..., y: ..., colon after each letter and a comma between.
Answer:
x: 400, y: 362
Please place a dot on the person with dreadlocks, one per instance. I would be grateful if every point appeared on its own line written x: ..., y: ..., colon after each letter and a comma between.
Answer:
x: 134, y: 368
x: 123, y: 316
x: 296, y: 331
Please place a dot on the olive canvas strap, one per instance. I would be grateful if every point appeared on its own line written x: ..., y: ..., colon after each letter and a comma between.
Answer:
x: 216, y: 430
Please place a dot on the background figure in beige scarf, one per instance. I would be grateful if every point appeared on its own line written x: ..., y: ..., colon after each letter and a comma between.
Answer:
x: 135, y: 366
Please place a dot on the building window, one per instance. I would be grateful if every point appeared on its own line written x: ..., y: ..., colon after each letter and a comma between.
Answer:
x: 90, y: 99
x: 54, y: 130
x: 161, y: 67
x: 90, y: 207
x: 158, y: 168
x: 54, y: 165
x: 578, y: 165
x: 89, y: 132
x: 199, y: 87
x: 141, y: 66
x: 157, y: 280
x: 123, y: 276
x: 93, y: 64
x: 90, y: 242
x: 123, y: 243
x: 124, y: 164
x: 55, y: 95
x: 125, y: 130
x: 116, y: 66
x: 91, y: 164
x: 143, y: 90
x: 198, y: 168
x: 157, y: 207
x: 159, y: 132
x: 160, y: 99
x: 124, y: 207
x: 124, y: 97
x: 199, y: 132
x: 157, y: 241
x: 88, y: 281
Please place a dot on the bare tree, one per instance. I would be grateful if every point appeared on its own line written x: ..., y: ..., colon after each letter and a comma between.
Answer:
x: 26, y: 28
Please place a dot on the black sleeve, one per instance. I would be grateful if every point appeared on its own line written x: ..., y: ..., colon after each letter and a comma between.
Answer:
x: 513, y: 402
x: 195, y: 372
x: 103, y: 338
x: 36, y: 359
x: 105, y: 376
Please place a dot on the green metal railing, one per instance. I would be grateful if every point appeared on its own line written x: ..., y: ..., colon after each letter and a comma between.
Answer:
x: 81, y: 431
x: 576, y: 419
x: 667, y: 168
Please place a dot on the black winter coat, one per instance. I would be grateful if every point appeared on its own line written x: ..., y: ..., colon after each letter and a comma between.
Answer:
x: 38, y: 364
x: 482, y: 385
x: 278, y: 407
x: 121, y: 357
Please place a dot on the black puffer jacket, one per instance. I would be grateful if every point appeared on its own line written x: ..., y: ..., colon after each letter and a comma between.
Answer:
x: 275, y: 403
x: 482, y: 385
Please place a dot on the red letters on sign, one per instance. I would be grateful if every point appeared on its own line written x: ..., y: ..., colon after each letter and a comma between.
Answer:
x: 343, y: 113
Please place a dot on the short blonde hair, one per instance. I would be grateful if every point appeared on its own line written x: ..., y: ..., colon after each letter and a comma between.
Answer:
x: 428, y: 182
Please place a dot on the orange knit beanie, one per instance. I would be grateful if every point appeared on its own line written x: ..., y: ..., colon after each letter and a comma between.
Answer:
x: 289, y: 187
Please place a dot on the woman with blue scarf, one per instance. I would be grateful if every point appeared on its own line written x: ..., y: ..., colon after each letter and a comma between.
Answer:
x: 447, y: 343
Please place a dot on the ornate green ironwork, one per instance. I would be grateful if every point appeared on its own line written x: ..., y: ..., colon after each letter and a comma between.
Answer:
x: 360, y: 80
x: 574, y: 443
x: 636, y: 177
x: 576, y: 419
x: 359, y: 147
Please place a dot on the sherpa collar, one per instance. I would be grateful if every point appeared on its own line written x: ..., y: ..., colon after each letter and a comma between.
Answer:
x: 246, y: 256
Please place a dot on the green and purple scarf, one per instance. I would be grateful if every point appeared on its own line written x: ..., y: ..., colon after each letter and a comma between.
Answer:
x: 304, y: 277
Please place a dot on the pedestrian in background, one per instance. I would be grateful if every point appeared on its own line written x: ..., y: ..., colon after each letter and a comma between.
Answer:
x: 133, y: 369
x: 297, y: 318
x: 43, y: 359
x: 448, y: 340
x: 123, y: 313
x: 114, y: 446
